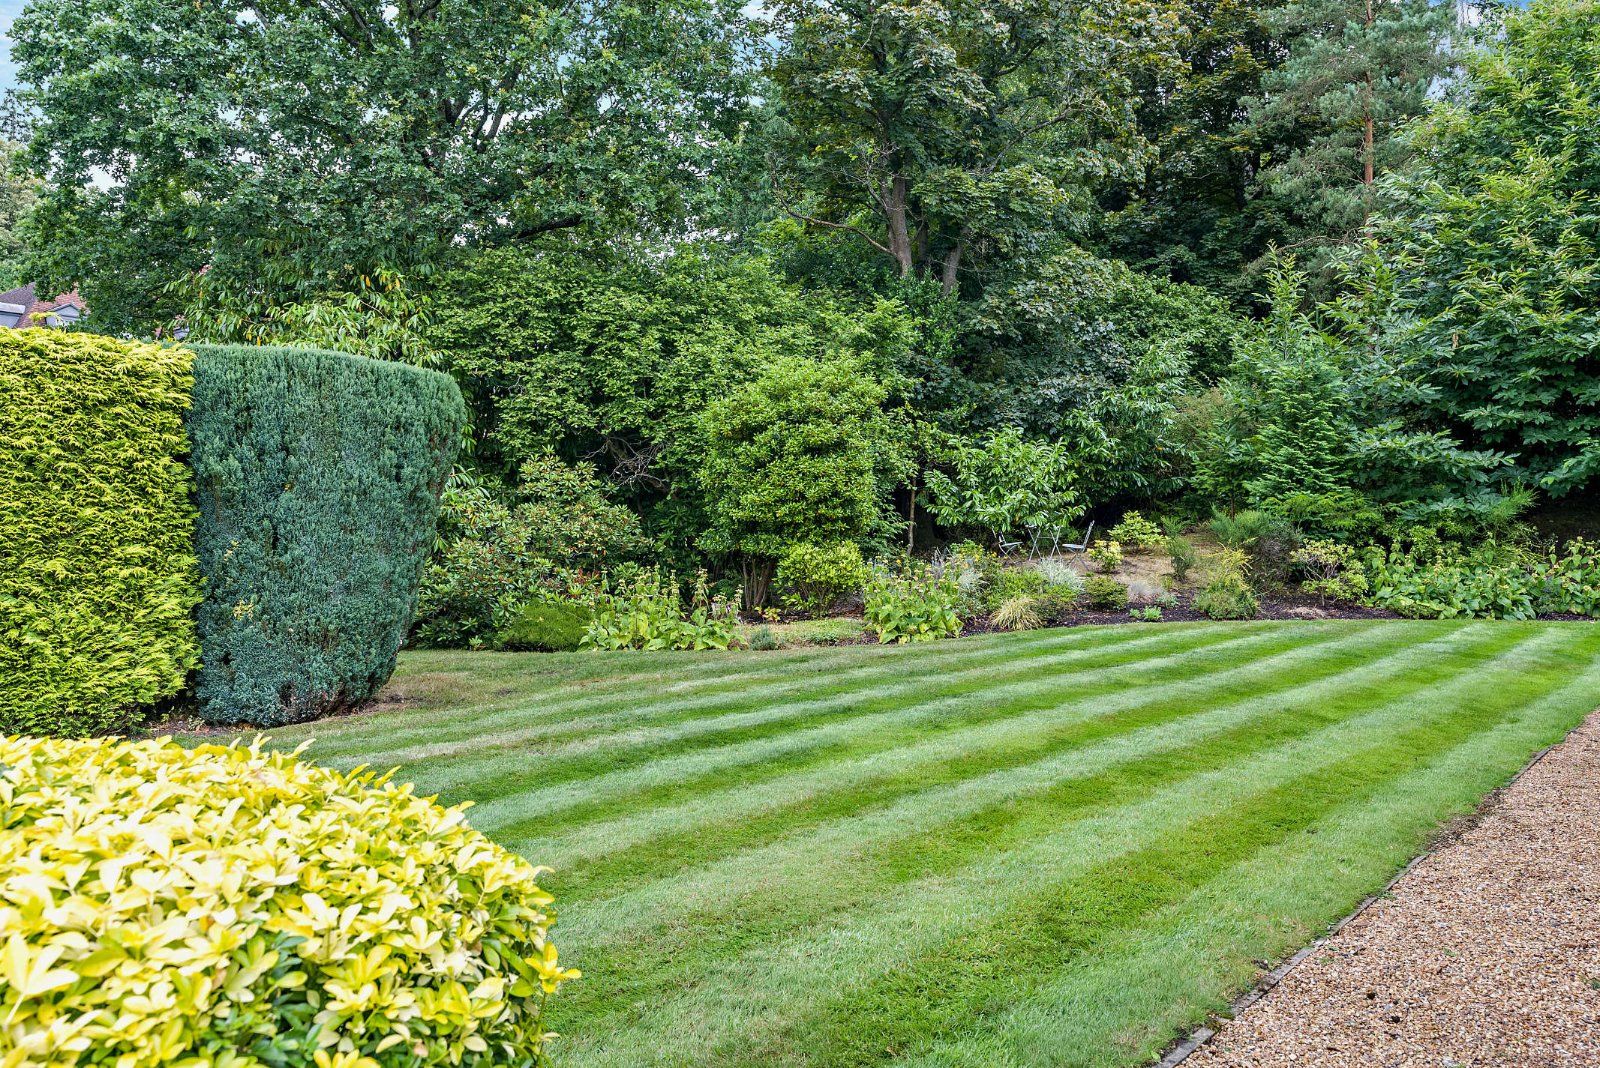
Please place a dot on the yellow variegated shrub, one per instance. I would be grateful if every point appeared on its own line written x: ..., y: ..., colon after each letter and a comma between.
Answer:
x: 233, y: 907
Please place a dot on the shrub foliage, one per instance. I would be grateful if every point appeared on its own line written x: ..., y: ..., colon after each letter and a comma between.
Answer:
x: 236, y: 906
x: 318, y: 476
x: 97, y: 565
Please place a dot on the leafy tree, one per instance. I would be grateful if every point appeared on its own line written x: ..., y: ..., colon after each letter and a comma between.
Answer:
x: 1083, y: 350
x: 1496, y: 248
x: 1006, y: 485
x: 801, y: 453
x: 1323, y: 420
x: 1357, y: 71
x: 1194, y: 213
x: 946, y: 132
x: 378, y: 316
x: 18, y: 194
x: 613, y: 358
x: 291, y: 146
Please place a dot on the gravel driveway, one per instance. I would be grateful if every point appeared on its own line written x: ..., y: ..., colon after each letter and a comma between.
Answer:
x: 1487, y: 953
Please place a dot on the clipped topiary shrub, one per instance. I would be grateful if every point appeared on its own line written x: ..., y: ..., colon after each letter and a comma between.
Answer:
x: 97, y: 565
x: 318, y: 477
x: 235, y: 906
x: 546, y: 627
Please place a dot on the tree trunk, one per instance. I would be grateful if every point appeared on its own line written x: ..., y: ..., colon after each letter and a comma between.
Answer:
x: 899, y: 231
x: 1367, y: 137
x: 948, y: 279
x: 757, y: 581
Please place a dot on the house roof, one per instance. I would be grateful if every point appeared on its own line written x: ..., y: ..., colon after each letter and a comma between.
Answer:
x: 24, y: 301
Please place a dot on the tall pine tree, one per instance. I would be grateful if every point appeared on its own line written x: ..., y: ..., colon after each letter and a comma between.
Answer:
x: 1356, y: 72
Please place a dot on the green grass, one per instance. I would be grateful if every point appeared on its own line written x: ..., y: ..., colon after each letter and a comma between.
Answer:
x: 1053, y: 848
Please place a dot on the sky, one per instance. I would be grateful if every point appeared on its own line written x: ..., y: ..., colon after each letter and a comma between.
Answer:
x: 8, y: 72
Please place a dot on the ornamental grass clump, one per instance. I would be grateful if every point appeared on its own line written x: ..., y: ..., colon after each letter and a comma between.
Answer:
x: 234, y: 905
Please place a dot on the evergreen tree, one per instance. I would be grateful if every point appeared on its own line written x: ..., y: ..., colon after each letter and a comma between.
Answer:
x: 1356, y: 72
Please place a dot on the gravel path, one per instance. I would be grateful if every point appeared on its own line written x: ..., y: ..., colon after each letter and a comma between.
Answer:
x: 1487, y: 953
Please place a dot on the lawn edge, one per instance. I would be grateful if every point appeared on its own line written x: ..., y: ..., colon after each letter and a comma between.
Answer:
x: 1185, y: 1046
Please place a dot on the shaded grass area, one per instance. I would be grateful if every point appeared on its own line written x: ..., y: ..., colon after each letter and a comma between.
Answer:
x: 1054, y: 848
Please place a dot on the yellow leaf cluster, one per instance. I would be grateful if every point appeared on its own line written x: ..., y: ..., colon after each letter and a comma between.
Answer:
x: 233, y: 906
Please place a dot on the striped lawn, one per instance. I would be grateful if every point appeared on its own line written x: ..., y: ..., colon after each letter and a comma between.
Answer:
x: 1054, y: 848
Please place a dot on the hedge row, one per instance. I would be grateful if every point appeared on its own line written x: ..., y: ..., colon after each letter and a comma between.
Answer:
x: 97, y: 567
x: 317, y: 477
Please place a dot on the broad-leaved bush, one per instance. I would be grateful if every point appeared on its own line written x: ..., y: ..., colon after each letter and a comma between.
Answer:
x: 234, y: 905
x: 813, y: 578
x: 1136, y: 532
x: 648, y: 611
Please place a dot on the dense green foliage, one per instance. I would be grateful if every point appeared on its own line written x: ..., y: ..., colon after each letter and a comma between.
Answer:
x: 813, y: 578
x: 719, y: 284
x: 280, y: 151
x: 912, y: 604
x: 1496, y: 249
x: 318, y: 478
x: 1355, y: 72
x: 648, y: 611
x: 316, y: 884
x: 804, y: 451
x: 945, y: 136
x: 97, y: 565
x: 1129, y: 818
x: 546, y: 626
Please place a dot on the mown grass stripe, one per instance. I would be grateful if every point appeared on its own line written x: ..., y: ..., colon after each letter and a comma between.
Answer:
x: 833, y: 849
x: 723, y: 676
x: 651, y: 731
x: 944, y: 988
x: 916, y: 915
x: 863, y: 869
x: 648, y: 721
x: 645, y: 832
x: 817, y: 733
x: 1198, y: 953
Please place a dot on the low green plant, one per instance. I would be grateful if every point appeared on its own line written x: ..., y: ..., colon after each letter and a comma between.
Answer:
x: 546, y: 626
x: 1058, y: 572
x: 1181, y: 551
x: 1107, y: 555
x: 1227, y: 593
x: 1228, y: 597
x: 487, y: 564
x: 1013, y: 582
x: 912, y: 605
x: 1332, y: 571
x: 648, y: 611
x: 1136, y: 532
x: 1268, y: 540
x: 1105, y: 594
x: 813, y: 578
x: 1019, y: 613
x: 1147, y: 614
x: 1572, y: 580
x: 763, y: 639
x: 280, y: 913
x: 1425, y: 578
